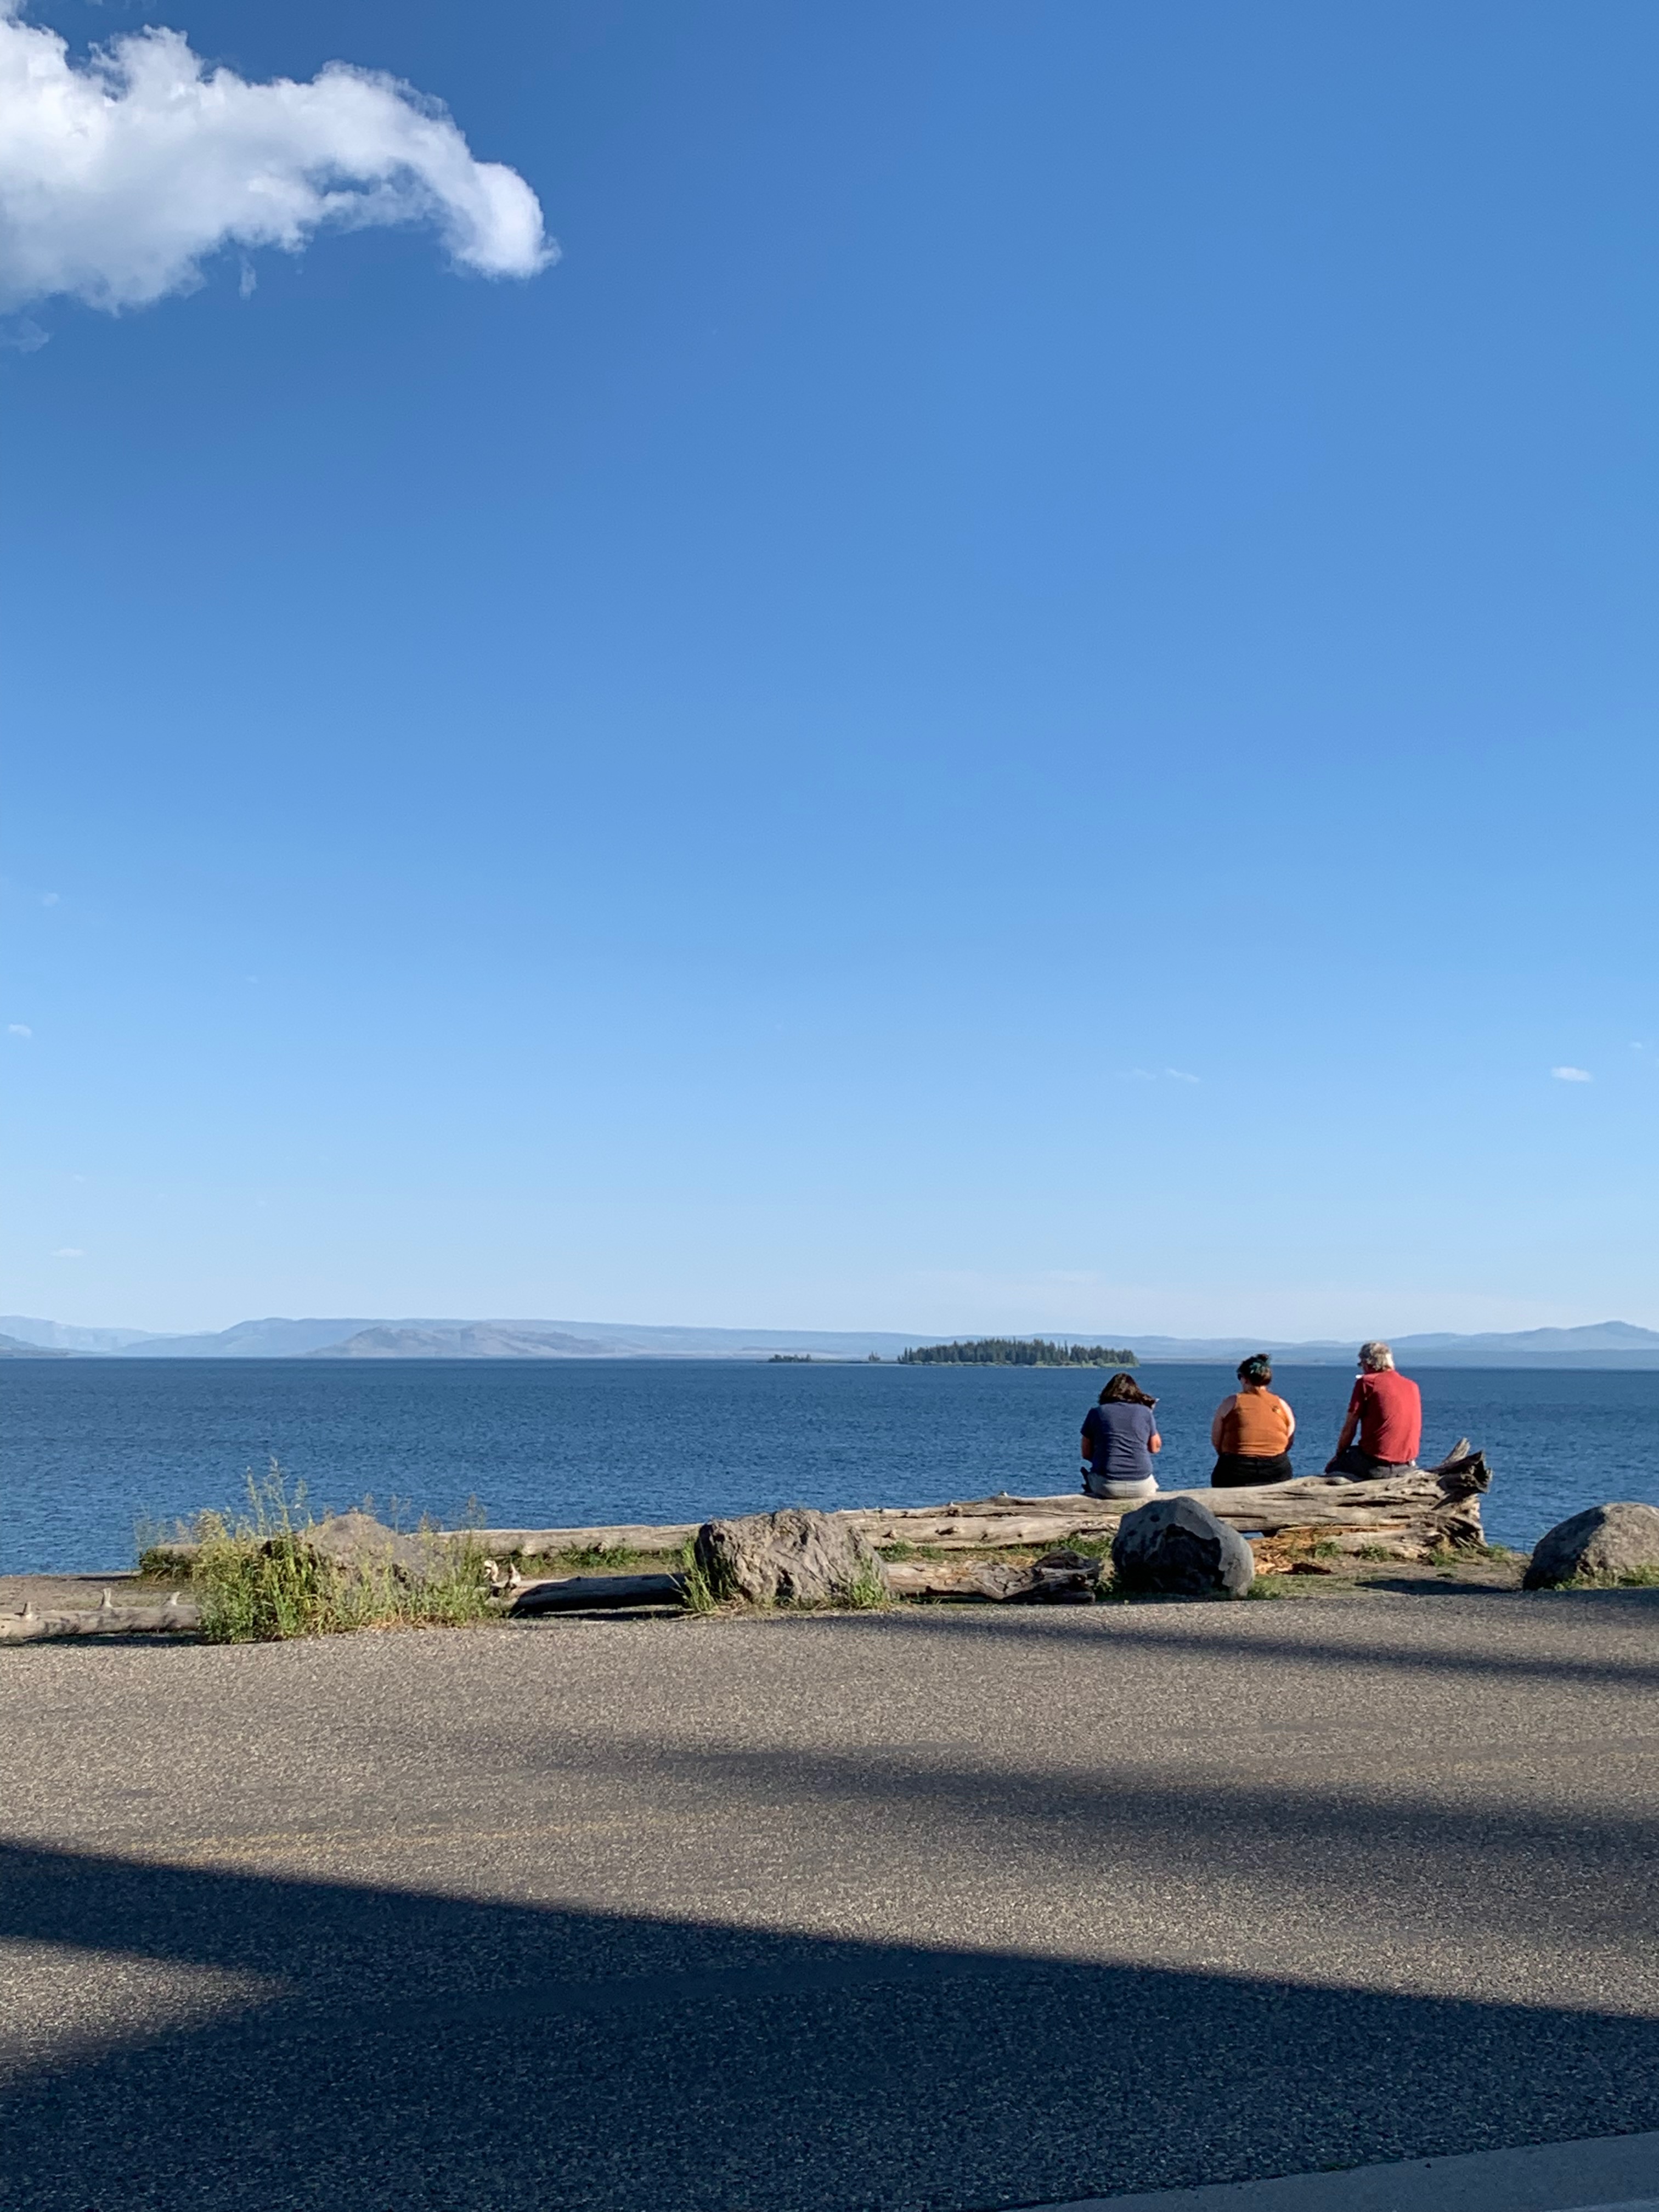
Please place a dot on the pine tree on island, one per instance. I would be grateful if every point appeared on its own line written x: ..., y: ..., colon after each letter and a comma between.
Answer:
x: 1014, y: 1352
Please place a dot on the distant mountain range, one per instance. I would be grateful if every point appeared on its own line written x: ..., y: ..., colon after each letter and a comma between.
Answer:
x: 13, y: 1347
x: 1600, y: 1344
x: 366, y: 1337
x: 482, y: 1340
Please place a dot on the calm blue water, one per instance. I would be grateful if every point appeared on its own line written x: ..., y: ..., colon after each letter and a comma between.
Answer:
x: 90, y: 1446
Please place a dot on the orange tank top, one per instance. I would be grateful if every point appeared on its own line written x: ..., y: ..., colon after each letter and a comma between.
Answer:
x: 1256, y: 1427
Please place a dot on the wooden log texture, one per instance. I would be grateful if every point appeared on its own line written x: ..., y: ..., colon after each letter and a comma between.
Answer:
x: 621, y: 1536
x: 32, y: 1627
x: 1425, y: 1508
x: 589, y: 1593
x: 1072, y: 1581
x: 1442, y: 1502
x: 1428, y: 1502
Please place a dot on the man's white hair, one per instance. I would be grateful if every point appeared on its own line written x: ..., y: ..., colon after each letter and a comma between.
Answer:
x: 1375, y: 1355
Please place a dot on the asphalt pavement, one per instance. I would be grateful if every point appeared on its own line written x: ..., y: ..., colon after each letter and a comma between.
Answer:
x: 951, y: 1909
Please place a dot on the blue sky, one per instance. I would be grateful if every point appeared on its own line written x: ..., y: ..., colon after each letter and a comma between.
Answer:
x: 1020, y: 693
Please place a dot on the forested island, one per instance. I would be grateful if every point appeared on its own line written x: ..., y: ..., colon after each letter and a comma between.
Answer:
x: 1014, y: 1352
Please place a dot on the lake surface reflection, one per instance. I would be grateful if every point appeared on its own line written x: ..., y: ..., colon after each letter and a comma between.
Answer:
x: 91, y: 1445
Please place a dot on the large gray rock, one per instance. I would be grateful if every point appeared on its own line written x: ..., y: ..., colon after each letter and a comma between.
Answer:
x: 358, y: 1545
x: 1602, y: 1543
x: 796, y: 1557
x: 1176, y: 1547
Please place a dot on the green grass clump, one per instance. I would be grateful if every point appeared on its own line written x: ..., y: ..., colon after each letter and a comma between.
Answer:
x: 1266, y: 1586
x: 1642, y: 1577
x: 696, y: 1593
x: 259, y: 1580
x: 867, y: 1592
x: 1463, y: 1555
x: 164, y: 1562
x: 1093, y: 1547
x: 578, y: 1556
x: 257, y: 1589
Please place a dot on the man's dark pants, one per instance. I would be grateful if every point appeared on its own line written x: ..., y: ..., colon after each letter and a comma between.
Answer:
x: 1359, y: 1466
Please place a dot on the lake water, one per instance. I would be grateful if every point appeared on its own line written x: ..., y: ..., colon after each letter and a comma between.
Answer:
x: 89, y: 1446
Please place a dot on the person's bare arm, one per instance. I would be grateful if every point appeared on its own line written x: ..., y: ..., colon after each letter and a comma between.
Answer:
x: 1155, y: 1443
x: 1221, y: 1414
x: 1088, y: 1450
x: 1352, y: 1423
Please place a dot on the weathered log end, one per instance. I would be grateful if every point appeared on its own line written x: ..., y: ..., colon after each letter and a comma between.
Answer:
x: 1462, y: 1478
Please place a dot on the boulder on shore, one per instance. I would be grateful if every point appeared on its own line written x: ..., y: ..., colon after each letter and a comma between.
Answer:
x: 795, y: 1557
x: 1600, y: 1544
x: 357, y: 1544
x: 1176, y: 1547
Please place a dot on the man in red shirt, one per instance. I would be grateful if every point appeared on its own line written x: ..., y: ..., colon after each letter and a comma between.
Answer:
x: 1386, y: 1409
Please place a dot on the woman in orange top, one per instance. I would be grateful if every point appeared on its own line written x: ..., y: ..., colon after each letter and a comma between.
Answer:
x: 1252, y: 1431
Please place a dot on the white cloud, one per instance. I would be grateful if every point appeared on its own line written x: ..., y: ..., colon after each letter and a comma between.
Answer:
x: 1572, y: 1075
x: 19, y: 1028
x: 120, y: 174
x: 1180, y: 1075
x: 69, y: 1252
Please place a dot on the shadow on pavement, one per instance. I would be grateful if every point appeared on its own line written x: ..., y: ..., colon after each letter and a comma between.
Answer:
x: 429, y: 2052
x: 1252, y: 1632
x: 1341, y: 1860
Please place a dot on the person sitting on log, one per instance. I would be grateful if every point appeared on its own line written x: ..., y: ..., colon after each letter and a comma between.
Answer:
x: 1386, y: 1410
x: 1252, y: 1429
x: 1119, y: 1439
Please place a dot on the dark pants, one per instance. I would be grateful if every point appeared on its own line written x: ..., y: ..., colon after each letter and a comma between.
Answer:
x: 1233, y: 1471
x: 1359, y: 1466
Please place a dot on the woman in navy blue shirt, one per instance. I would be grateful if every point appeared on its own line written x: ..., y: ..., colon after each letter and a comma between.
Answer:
x: 1119, y: 1439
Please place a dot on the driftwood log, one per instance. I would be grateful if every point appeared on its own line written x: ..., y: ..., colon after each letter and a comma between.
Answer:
x: 1427, y: 1508
x: 586, y: 1593
x: 618, y: 1536
x: 1409, y: 1516
x: 29, y: 1627
x: 1060, y: 1578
